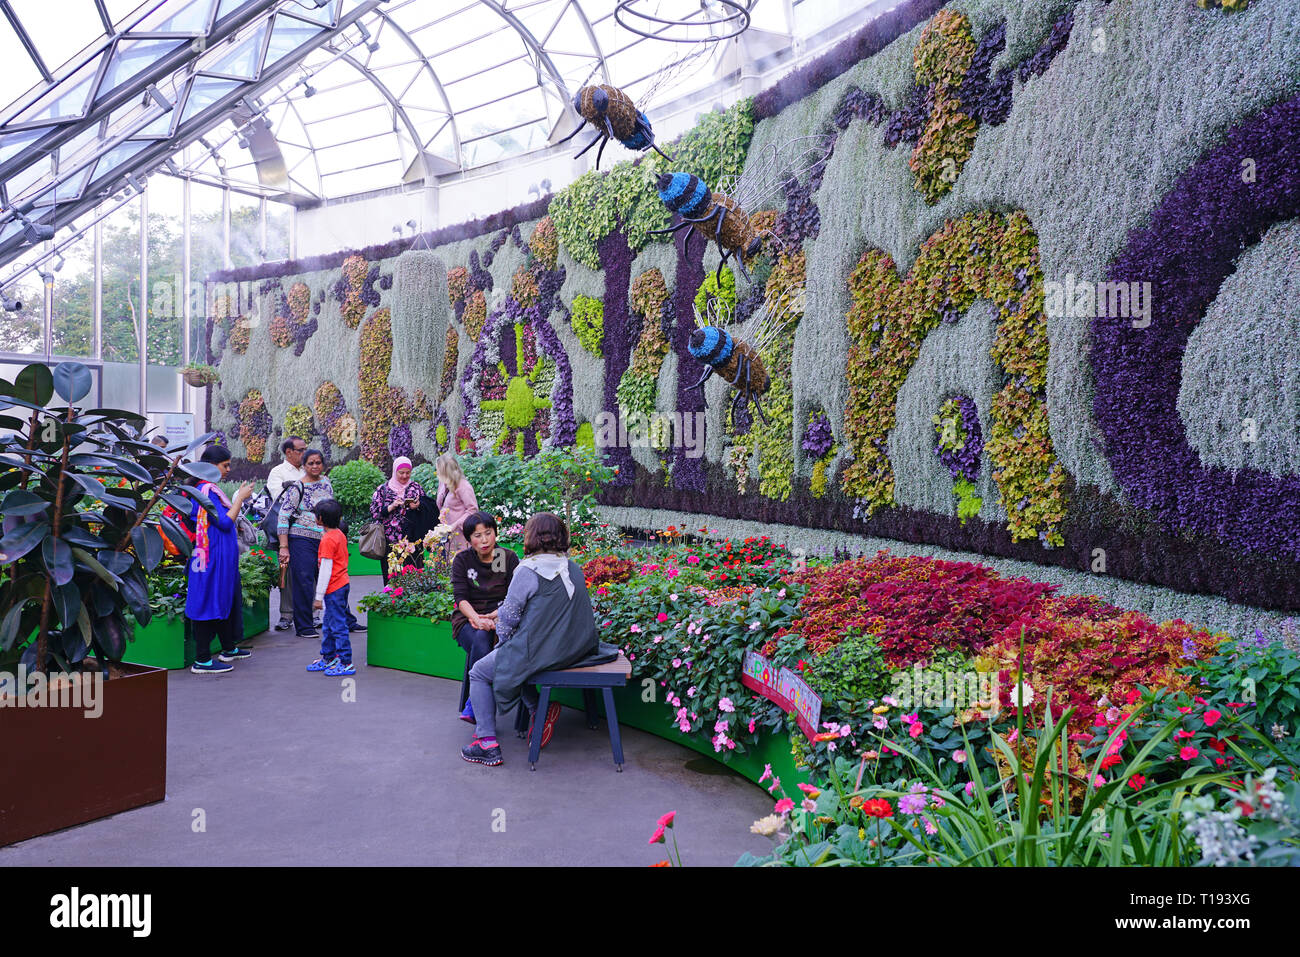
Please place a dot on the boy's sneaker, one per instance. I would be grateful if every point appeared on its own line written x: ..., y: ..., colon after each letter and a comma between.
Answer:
x: 358, y: 627
x: 548, y: 724
x: 340, y: 668
x: 468, y: 713
x: 235, y: 654
x: 309, y: 634
x: 284, y: 624
x: 210, y: 668
x: 476, y: 753
x: 320, y: 664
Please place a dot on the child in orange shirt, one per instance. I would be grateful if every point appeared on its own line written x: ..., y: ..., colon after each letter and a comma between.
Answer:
x: 332, y: 594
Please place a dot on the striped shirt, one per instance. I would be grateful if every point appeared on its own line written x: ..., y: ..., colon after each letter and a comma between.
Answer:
x: 297, y: 505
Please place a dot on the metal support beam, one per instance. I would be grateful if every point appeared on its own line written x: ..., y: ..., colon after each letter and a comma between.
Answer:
x: 143, y: 344
x: 187, y: 307
x: 98, y: 305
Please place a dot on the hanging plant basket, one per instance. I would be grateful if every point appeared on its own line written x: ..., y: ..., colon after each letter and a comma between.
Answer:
x: 199, y: 377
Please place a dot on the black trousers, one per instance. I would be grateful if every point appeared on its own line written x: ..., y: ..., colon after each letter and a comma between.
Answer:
x: 229, y: 630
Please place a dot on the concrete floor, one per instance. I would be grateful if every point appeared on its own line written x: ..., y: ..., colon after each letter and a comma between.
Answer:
x: 286, y: 772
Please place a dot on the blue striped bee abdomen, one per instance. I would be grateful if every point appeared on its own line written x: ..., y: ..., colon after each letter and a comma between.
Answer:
x: 711, y: 345
x: 685, y: 194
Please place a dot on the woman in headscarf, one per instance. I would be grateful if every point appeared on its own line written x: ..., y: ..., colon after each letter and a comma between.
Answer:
x: 214, y: 602
x: 456, y: 499
x: 390, y: 504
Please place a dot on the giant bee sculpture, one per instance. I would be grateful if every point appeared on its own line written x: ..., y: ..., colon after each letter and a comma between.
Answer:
x: 738, y: 361
x: 614, y: 115
x: 690, y: 197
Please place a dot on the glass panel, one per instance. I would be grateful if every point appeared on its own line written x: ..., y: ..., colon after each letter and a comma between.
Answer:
x: 360, y: 180
x: 121, y: 295
x: 160, y: 127
x: 498, y: 81
x: 286, y: 36
x: 323, y: 15
x: 59, y: 31
x: 517, y: 109
x: 245, y: 231
x: 12, y: 143
x: 20, y: 73
x: 23, y: 331
x: 69, y: 189
x: 66, y: 100
x: 206, y: 257
x: 130, y: 58
x: 117, y: 157
x: 74, y: 299
x: 122, y: 386
x: 243, y: 59
x: 75, y: 149
x: 278, y: 223
x: 177, y: 16
x: 472, y: 57
x: 26, y: 181
x: 376, y: 121
x: 166, y: 278
x: 204, y: 92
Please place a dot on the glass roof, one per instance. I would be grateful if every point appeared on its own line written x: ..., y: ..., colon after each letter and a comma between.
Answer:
x: 304, y: 100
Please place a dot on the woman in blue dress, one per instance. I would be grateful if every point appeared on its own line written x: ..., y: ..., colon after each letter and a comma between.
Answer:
x: 214, y: 601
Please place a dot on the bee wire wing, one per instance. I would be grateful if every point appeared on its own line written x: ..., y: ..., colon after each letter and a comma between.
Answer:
x: 766, y: 174
x: 776, y: 318
x: 673, y: 71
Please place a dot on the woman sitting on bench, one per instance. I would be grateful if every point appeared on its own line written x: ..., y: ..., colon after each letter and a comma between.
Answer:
x: 545, y: 623
x: 480, y: 577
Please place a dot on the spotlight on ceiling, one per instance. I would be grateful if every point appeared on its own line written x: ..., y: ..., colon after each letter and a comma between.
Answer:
x: 58, y: 263
x: 411, y: 224
x: 35, y: 233
x: 308, y: 89
x: 10, y: 305
x: 398, y: 230
x: 243, y: 140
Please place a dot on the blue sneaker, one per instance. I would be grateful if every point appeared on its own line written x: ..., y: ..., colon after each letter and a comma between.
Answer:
x: 210, y: 667
x: 235, y: 654
x: 468, y: 713
x: 320, y: 664
x: 340, y: 668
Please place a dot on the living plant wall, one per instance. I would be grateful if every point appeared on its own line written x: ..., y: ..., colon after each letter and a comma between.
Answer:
x: 1044, y: 306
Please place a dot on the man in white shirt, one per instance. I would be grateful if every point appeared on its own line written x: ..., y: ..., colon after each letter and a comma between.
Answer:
x: 290, y: 470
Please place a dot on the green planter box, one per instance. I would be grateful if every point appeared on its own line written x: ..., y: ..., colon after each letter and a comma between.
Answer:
x: 654, y: 718
x: 257, y: 620
x: 358, y: 564
x: 161, y: 644
x: 414, y: 644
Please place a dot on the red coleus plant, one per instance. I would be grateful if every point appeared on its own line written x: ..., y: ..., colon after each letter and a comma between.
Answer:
x: 914, y: 605
x: 1082, y: 660
x: 607, y: 569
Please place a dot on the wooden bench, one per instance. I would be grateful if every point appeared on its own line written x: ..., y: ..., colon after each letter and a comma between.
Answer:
x: 606, y: 677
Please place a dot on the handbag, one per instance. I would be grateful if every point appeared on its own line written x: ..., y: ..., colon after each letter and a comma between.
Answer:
x: 373, y: 543
x: 269, y: 524
x: 247, y: 533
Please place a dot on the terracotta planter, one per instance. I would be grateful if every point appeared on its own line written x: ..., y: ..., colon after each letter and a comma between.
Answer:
x: 64, y: 767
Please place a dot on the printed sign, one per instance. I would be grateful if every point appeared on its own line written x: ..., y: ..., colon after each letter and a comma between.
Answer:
x: 784, y: 688
x: 803, y: 701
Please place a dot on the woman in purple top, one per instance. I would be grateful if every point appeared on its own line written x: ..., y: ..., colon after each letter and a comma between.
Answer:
x: 390, y: 504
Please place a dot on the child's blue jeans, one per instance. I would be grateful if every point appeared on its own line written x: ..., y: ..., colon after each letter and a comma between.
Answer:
x: 334, y: 641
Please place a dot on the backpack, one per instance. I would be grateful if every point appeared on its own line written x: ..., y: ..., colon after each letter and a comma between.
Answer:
x: 270, y: 524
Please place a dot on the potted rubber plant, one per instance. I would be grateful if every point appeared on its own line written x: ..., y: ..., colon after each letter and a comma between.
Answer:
x: 78, y: 490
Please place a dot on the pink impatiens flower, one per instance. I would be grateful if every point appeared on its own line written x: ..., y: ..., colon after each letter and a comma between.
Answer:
x: 677, y: 662
x: 724, y: 704
x: 634, y: 629
x: 661, y: 617
x: 1188, y: 752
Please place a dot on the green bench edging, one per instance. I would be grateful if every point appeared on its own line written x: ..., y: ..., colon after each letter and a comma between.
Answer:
x: 655, y: 718
x: 413, y: 644
x: 169, y: 644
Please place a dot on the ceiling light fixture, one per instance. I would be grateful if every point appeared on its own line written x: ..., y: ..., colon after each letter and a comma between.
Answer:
x: 10, y: 305
x: 58, y: 264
